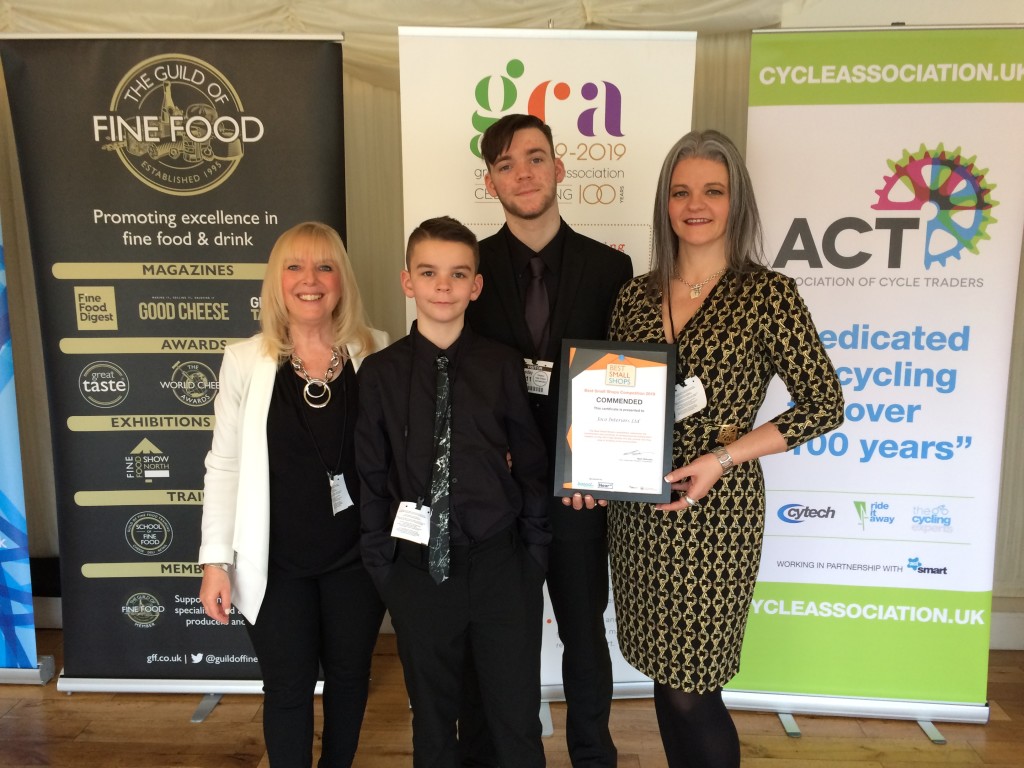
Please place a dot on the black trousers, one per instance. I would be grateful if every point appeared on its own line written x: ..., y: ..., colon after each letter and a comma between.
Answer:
x: 578, y: 587
x: 330, y: 620
x: 491, y: 606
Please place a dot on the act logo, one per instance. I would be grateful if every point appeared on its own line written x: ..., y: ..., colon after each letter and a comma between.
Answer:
x: 950, y: 190
x: 177, y: 124
x: 497, y: 94
x: 942, y: 188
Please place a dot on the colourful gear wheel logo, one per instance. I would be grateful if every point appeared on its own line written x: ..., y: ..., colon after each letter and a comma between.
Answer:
x: 956, y: 189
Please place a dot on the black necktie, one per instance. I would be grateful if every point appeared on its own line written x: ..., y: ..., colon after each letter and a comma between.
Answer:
x: 537, y: 308
x: 441, y: 476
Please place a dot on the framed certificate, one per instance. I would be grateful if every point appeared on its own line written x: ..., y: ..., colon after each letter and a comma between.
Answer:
x: 615, y: 420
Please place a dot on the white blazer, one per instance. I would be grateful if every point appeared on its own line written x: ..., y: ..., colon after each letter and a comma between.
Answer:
x: 236, y: 498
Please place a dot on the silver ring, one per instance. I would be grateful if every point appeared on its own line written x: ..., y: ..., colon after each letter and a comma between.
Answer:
x: 690, y: 501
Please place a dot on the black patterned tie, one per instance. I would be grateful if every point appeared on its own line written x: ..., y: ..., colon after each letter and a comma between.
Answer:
x: 440, y: 479
x: 537, y: 309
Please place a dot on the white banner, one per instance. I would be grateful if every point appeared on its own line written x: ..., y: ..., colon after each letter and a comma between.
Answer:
x: 891, y: 183
x: 613, y: 120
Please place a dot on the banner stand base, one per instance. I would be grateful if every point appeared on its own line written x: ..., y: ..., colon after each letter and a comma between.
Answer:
x: 786, y: 705
x: 547, y: 725
x: 134, y: 685
x: 789, y: 725
x: 931, y: 732
x: 924, y: 712
x: 41, y: 675
x: 206, y: 705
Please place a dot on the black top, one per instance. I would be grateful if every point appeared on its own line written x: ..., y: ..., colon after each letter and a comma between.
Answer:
x: 490, y: 418
x: 303, y: 444
x: 589, y: 279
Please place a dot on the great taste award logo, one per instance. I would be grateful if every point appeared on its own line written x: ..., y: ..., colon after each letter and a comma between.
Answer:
x: 177, y: 124
x: 947, y: 187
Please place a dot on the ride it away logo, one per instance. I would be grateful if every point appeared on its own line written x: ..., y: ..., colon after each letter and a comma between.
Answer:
x: 948, y: 187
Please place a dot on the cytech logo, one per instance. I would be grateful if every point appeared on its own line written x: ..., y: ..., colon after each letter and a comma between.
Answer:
x: 798, y: 513
x: 948, y: 187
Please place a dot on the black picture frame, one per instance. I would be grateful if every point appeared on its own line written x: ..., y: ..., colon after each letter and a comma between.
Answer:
x: 579, y: 356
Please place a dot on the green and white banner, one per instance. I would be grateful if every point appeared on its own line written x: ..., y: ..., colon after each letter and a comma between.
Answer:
x: 890, y: 179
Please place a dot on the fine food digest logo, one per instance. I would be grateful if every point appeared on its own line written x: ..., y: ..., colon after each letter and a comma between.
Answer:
x: 495, y: 95
x: 953, y: 188
x: 177, y: 124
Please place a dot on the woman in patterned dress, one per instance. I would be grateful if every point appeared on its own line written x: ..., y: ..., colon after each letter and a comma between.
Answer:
x: 684, y: 572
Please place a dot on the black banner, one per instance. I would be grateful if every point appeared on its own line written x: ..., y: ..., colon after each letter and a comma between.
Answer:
x: 157, y: 175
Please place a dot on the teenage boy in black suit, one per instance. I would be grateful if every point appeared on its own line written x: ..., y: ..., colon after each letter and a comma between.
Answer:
x: 484, y: 597
x: 581, y: 278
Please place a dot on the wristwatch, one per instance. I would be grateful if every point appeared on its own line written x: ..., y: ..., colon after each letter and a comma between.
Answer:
x: 222, y: 566
x: 724, y: 459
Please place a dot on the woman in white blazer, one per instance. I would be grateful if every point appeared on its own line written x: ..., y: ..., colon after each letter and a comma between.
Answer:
x: 280, y: 531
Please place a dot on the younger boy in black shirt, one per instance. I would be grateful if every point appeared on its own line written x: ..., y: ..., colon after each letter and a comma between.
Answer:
x: 481, y: 466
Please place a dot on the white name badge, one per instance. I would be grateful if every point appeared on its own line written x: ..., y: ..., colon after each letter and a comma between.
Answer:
x: 538, y: 375
x: 412, y: 523
x: 340, y: 497
x: 690, y: 397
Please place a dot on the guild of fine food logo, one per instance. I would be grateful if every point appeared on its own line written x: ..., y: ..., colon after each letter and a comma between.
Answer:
x: 177, y: 124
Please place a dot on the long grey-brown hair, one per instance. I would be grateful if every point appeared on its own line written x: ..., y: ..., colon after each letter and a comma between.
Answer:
x: 744, y: 240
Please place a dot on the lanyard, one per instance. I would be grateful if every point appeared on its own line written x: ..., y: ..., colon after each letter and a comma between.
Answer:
x: 344, y: 422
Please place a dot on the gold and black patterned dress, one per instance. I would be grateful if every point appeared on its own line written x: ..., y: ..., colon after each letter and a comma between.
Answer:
x: 683, y: 580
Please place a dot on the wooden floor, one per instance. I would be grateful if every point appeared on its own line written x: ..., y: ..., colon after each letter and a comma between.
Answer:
x: 41, y: 726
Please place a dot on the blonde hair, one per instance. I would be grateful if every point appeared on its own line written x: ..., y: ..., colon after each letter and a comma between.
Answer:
x: 350, y: 323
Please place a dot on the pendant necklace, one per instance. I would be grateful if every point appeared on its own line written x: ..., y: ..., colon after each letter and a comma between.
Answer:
x: 695, y: 288
x: 316, y: 393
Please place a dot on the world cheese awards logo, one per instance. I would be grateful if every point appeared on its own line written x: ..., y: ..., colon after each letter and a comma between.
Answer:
x: 177, y: 124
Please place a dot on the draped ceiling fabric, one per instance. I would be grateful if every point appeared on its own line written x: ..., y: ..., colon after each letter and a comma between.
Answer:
x: 373, y: 146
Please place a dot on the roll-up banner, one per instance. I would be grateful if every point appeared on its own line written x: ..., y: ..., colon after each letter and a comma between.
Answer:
x: 603, y: 95
x: 17, y: 618
x: 157, y: 175
x: 890, y: 180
